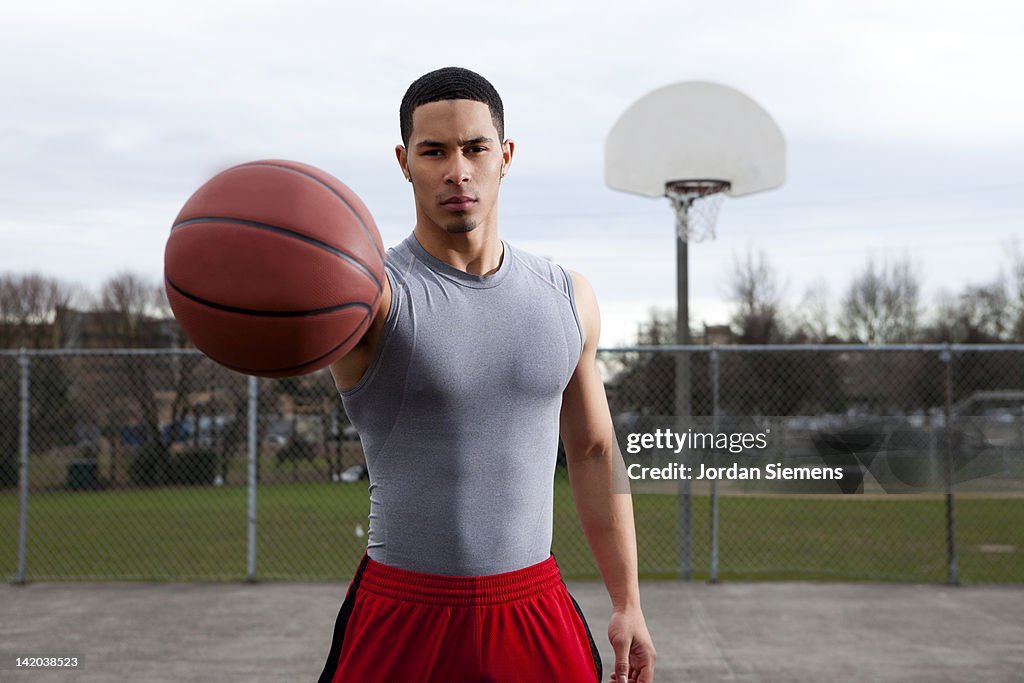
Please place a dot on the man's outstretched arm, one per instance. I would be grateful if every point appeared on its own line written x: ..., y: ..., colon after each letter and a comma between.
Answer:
x: 606, y: 517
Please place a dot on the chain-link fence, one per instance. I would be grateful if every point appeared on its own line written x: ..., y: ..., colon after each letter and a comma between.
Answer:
x: 162, y: 465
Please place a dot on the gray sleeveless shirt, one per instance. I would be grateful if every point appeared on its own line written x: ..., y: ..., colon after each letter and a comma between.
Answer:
x: 458, y: 412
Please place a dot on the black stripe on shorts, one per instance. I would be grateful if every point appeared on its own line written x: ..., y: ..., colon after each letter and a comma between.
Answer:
x: 593, y: 646
x: 331, y: 667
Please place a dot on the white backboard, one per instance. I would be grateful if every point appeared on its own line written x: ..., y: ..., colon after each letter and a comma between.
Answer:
x: 695, y: 130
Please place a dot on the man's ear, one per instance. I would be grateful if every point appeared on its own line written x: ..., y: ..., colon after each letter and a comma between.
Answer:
x: 403, y: 161
x: 507, y: 149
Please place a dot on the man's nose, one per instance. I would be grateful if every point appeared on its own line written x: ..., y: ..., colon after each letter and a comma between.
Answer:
x: 457, y: 171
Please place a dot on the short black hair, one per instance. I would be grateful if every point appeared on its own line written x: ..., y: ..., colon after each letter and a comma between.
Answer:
x: 450, y: 83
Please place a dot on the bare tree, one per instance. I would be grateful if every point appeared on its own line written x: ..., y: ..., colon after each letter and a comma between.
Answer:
x: 29, y: 306
x: 812, y: 319
x: 130, y: 311
x: 983, y: 314
x: 659, y: 329
x: 1016, y: 292
x: 882, y: 304
x: 125, y: 304
x: 756, y: 294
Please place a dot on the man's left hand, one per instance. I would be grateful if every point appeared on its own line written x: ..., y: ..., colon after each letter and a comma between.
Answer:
x: 634, y: 651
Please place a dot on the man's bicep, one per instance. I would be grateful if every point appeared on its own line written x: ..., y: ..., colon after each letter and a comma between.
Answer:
x: 585, y: 420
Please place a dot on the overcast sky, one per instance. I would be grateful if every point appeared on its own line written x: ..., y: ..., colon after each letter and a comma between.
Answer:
x: 905, y: 133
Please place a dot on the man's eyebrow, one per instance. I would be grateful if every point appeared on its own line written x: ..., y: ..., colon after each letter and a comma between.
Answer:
x: 462, y: 143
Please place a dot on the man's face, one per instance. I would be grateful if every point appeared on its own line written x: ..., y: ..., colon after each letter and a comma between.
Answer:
x: 455, y: 161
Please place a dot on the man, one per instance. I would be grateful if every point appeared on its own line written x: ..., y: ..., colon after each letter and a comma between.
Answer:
x: 479, y: 355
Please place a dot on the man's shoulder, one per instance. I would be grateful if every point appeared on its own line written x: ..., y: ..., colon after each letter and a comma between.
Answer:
x: 541, y: 266
x: 399, y: 260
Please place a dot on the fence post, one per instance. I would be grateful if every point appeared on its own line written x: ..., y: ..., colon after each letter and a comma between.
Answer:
x: 713, y: 573
x: 23, y: 362
x: 250, y: 572
x: 684, y: 489
x: 952, y: 571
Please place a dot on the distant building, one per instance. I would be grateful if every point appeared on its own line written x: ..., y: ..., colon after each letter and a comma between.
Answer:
x: 717, y: 334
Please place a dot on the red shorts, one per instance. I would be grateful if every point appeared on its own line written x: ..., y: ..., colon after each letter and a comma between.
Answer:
x: 398, y: 626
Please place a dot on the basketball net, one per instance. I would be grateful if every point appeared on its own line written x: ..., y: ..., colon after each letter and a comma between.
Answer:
x: 696, y: 204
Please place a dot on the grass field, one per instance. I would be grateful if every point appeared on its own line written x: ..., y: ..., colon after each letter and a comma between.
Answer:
x: 311, y: 532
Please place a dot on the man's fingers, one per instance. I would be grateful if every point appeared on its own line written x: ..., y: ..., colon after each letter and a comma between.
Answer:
x: 621, y: 648
x: 643, y: 665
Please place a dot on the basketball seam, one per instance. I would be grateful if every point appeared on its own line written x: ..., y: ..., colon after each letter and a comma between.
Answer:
x: 285, y: 231
x: 337, y: 194
x: 264, y: 313
x: 290, y: 368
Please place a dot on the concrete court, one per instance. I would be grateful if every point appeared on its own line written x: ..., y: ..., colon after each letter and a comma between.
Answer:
x: 771, y: 632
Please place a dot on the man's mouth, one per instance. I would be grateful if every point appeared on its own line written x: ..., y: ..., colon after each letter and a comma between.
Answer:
x: 460, y: 203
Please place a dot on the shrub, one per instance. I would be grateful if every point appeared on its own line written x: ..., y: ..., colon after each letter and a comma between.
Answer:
x: 193, y: 466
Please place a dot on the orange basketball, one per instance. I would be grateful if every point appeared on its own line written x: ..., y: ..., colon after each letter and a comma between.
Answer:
x: 274, y: 268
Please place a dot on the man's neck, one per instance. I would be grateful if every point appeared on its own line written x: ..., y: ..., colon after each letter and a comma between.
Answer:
x: 478, y: 252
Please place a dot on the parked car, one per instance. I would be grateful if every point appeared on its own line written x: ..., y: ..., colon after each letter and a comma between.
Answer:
x: 986, y: 437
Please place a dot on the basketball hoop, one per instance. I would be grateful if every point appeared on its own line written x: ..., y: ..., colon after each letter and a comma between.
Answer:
x: 695, y: 142
x: 696, y: 205
x: 730, y: 145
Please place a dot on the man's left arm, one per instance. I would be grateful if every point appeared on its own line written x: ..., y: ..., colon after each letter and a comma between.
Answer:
x: 606, y: 517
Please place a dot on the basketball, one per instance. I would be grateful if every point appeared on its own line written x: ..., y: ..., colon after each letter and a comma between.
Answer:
x: 274, y: 268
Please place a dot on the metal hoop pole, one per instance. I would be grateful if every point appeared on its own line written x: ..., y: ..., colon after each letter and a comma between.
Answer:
x: 682, y: 398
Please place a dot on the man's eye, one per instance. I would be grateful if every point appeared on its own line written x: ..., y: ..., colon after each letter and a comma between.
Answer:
x: 477, y: 149
x: 431, y: 152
